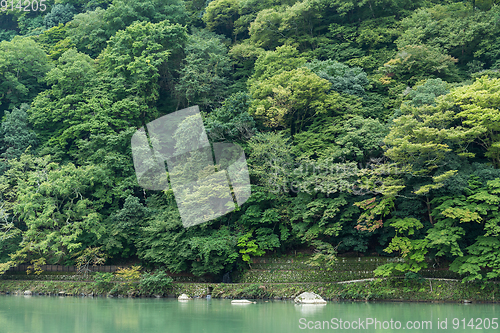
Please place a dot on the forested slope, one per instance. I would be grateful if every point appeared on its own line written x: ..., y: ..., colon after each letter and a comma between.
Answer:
x: 369, y: 126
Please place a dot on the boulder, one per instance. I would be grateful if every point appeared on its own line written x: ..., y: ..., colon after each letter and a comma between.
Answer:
x: 183, y: 297
x: 309, y: 298
x: 27, y: 292
x: 242, y: 301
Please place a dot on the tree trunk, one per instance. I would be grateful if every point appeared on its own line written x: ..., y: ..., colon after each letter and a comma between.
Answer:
x: 429, y: 209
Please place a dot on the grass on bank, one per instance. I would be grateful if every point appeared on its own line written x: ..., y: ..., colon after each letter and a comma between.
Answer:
x: 269, y: 278
x: 389, y: 289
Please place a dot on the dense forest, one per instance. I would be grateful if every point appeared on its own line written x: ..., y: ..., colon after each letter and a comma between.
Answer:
x: 369, y: 127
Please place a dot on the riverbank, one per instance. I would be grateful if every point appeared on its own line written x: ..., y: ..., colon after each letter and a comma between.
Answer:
x: 382, y: 290
x: 282, y: 277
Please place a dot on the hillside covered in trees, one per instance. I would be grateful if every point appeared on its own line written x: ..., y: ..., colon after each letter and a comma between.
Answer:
x: 369, y: 126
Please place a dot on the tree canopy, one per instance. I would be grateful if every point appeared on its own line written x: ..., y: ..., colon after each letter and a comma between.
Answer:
x: 367, y: 127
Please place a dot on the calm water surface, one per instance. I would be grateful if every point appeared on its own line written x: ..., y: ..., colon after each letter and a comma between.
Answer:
x: 19, y: 314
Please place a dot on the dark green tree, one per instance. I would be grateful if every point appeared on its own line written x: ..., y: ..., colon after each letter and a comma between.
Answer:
x: 15, y: 135
x: 59, y: 14
x: 204, y: 73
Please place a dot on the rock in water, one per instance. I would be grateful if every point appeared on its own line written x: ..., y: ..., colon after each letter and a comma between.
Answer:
x: 183, y: 297
x: 242, y: 301
x: 309, y: 298
x: 28, y: 292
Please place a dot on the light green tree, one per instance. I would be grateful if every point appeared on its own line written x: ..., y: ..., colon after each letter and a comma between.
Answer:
x: 292, y: 98
x: 23, y: 65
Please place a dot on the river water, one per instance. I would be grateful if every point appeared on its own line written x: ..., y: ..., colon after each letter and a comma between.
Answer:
x: 44, y: 314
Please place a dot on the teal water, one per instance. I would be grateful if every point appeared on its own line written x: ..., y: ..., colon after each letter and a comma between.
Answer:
x: 19, y: 314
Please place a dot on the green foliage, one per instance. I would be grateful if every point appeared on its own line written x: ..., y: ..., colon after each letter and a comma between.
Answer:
x: 15, y: 135
x: 249, y: 247
x: 254, y: 291
x: 220, y: 16
x: 353, y: 43
x: 124, y: 228
x: 156, y: 283
x: 421, y: 140
x: 134, y: 58
x: 291, y: 99
x: 231, y: 122
x: 89, y: 257
x: 427, y: 92
x: 479, y: 103
x: 198, y: 249
x: 55, y: 41
x: 131, y: 273
x: 103, y: 281
x: 491, y: 73
x: 467, y: 214
x: 353, y: 138
x: 271, y: 160
x: 297, y: 24
x: 59, y: 14
x: 31, y: 24
x: 74, y: 73
x: 344, y: 79
x: 90, y: 30
x: 375, y: 208
x: 23, y: 63
x: 243, y: 56
x: 455, y: 29
x: 270, y: 63
x: 54, y: 202
x: 324, y: 257
x: 36, y: 266
x: 204, y: 71
x: 359, y: 120
x: 417, y: 62
x: 412, y: 251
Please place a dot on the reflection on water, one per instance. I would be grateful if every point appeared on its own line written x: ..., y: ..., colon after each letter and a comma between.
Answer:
x: 42, y: 314
x: 307, y: 309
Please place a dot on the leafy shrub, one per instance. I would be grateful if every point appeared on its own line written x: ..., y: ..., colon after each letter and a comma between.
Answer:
x: 131, y: 273
x: 157, y: 283
x: 103, y: 281
x: 414, y: 277
x: 254, y: 291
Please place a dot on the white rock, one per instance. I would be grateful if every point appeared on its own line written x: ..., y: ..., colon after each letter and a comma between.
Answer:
x: 183, y: 297
x: 309, y: 298
x: 241, y: 301
x: 27, y: 292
